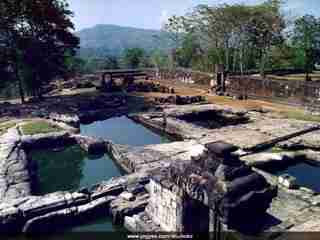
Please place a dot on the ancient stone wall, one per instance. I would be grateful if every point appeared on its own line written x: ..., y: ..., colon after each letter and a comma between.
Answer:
x: 294, y: 92
x: 165, y: 207
x: 182, y: 75
x: 288, y: 91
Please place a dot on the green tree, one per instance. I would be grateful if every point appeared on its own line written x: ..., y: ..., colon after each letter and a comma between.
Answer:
x: 284, y: 56
x: 238, y: 36
x: 265, y: 29
x: 37, y: 35
x: 175, y: 27
x: 74, y: 65
x: 133, y: 57
x: 189, y: 52
x: 159, y: 60
x: 306, y: 36
x: 112, y: 62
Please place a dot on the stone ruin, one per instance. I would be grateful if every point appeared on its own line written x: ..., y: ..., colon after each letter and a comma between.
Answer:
x: 219, y: 84
x: 215, y: 186
x: 211, y: 118
x: 150, y: 87
x: 180, y: 100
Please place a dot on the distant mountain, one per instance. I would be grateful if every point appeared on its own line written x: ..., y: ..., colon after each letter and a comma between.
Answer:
x: 102, y: 40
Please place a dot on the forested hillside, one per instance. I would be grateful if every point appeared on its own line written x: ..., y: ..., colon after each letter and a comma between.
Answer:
x: 103, y: 40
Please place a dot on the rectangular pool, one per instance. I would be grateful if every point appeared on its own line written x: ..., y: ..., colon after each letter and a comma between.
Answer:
x: 71, y: 168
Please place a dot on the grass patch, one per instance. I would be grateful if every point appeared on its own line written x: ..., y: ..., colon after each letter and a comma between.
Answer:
x: 300, y: 115
x: 5, y: 126
x: 298, y: 77
x: 37, y: 127
x: 276, y: 150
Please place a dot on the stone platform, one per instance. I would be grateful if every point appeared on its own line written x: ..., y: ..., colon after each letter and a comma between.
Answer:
x: 291, y: 208
x: 125, y: 198
x: 241, y: 128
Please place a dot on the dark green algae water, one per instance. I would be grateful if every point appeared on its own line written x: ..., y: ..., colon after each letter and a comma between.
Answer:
x: 71, y: 168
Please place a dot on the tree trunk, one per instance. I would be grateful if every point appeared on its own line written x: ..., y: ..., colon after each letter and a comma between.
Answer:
x: 234, y: 61
x: 241, y: 60
x: 21, y: 91
x: 18, y: 78
x: 263, y: 63
x: 307, y: 65
x: 308, y: 78
x: 227, y: 57
x: 39, y: 88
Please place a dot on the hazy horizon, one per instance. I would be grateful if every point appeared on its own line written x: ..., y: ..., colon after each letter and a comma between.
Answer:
x: 151, y: 14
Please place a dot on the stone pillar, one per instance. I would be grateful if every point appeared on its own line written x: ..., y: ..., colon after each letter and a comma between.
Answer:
x: 221, y: 78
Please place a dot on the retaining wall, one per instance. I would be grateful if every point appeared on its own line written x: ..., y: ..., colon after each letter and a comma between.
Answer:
x: 290, y: 91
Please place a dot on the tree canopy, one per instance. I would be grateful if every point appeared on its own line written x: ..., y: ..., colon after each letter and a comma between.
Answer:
x: 232, y: 35
x: 306, y: 37
x: 36, y: 38
x: 133, y: 57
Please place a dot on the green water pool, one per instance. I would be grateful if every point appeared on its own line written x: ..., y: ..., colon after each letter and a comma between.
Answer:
x: 72, y: 168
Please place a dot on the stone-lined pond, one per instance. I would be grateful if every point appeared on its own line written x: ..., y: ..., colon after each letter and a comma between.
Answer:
x: 307, y: 175
x: 71, y: 168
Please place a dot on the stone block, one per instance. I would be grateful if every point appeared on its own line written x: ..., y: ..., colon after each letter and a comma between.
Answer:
x: 221, y: 148
x: 287, y: 181
x: 127, y: 196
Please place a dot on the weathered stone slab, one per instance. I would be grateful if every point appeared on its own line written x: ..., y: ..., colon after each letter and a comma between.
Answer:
x: 309, y: 222
x: 15, y: 178
x: 72, y: 120
x: 141, y: 223
x: 185, y: 122
x: 47, y: 140
x: 239, y: 136
x: 311, y: 156
x: 285, y: 127
x: 66, y: 127
x: 52, y: 221
x: 177, y: 111
x: 120, y: 207
x: 272, y: 159
x: 261, y: 128
x: 91, y: 145
x: 172, y: 126
x: 155, y: 156
x: 62, y: 209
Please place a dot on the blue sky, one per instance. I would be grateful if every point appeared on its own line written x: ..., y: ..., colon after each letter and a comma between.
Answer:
x: 150, y: 14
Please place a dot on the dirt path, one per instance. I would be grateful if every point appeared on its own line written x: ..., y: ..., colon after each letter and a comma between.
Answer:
x: 279, y: 110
